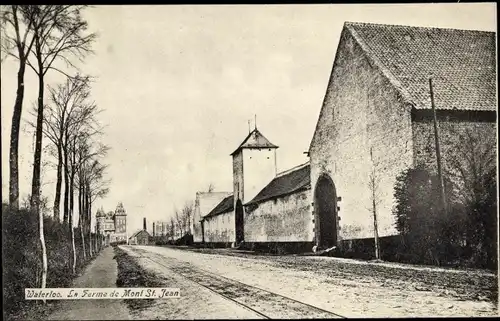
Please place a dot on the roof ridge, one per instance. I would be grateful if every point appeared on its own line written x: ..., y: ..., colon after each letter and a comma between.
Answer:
x: 357, y: 23
x: 267, y: 143
x: 213, y: 212
x: 380, y: 65
x: 293, y: 169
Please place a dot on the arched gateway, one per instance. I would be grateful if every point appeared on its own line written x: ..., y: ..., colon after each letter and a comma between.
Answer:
x: 239, y: 217
x: 325, y: 207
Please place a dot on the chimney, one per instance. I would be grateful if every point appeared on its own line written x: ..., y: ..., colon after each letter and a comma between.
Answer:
x: 154, y: 231
x: 144, y: 224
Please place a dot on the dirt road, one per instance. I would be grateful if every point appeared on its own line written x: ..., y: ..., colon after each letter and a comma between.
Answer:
x: 101, y: 273
x: 223, y: 286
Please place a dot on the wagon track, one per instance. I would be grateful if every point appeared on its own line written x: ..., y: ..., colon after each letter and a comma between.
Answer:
x: 267, y: 304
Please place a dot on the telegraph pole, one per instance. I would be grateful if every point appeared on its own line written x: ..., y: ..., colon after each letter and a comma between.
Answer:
x: 438, y: 150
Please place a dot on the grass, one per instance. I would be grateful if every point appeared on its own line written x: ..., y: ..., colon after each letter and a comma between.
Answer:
x: 37, y: 310
x: 21, y: 264
x: 132, y: 275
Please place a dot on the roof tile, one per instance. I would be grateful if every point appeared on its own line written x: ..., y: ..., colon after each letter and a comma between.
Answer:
x: 284, y: 184
x: 461, y: 63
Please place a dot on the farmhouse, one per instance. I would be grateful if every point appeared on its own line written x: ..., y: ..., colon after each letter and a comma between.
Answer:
x: 377, y: 120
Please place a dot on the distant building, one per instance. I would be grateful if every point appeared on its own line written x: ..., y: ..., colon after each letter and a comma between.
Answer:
x: 160, y: 228
x: 113, y: 225
x: 141, y: 237
x: 204, y: 203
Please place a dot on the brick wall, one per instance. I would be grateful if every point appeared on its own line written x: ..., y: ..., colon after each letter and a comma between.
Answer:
x: 286, y: 219
x: 363, y: 126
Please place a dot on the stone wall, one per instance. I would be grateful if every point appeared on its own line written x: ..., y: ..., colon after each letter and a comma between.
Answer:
x: 204, y: 203
x: 259, y: 169
x: 452, y: 127
x: 238, y: 185
x: 285, y: 219
x: 364, y: 128
x: 220, y: 228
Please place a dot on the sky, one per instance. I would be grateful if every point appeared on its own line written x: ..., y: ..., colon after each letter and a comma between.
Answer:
x: 178, y: 85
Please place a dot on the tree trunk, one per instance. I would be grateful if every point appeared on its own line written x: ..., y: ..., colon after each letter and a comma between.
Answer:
x: 81, y: 220
x: 14, y: 137
x: 37, y: 160
x: 57, y: 197
x: 375, y: 229
x: 71, y: 222
x: 89, y: 221
x: 44, y: 250
x: 66, y: 183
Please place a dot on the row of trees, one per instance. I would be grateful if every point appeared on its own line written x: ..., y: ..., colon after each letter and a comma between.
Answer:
x: 178, y: 229
x: 179, y: 226
x: 182, y: 219
x: 48, y: 39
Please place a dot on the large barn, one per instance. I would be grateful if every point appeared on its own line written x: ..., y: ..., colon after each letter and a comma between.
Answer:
x: 375, y: 122
x: 377, y: 118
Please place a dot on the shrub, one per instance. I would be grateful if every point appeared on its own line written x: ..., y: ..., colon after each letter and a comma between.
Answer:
x: 22, y: 264
x: 464, y: 235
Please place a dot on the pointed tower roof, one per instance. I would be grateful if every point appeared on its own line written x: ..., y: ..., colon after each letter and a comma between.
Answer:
x: 120, y: 210
x: 100, y: 212
x: 255, y: 140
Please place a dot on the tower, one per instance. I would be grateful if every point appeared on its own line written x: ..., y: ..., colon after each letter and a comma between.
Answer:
x: 120, y: 219
x: 254, y: 166
x: 100, y: 219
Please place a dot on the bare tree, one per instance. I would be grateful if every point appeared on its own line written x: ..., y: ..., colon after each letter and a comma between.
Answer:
x: 81, y: 153
x: 373, y: 185
x: 179, y: 222
x: 58, y: 36
x: 90, y: 181
x: 67, y: 113
x: 211, y: 187
x: 187, y: 216
x: 95, y: 187
x: 17, y: 41
x: 172, y: 228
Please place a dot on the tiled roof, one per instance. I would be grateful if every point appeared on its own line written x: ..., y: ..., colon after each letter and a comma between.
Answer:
x: 226, y: 205
x: 136, y: 233
x: 461, y: 63
x: 285, y: 183
x: 120, y: 210
x: 255, y: 140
